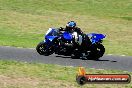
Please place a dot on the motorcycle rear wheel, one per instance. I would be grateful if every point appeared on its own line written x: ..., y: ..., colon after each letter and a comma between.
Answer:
x: 97, y: 51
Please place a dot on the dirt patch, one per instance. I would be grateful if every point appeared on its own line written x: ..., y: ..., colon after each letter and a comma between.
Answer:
x: 5, y: 81
x: 26, y: 82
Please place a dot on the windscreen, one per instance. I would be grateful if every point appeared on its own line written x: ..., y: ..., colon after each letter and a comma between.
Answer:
x: 52, y: 32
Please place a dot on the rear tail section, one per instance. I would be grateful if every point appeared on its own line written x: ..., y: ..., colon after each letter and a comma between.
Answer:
x: 96, y: 37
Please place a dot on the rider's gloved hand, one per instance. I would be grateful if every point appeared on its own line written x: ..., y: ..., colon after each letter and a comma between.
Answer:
x: 61, y: 29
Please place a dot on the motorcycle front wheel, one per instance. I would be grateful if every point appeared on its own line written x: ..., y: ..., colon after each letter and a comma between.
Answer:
x: 43, y: 50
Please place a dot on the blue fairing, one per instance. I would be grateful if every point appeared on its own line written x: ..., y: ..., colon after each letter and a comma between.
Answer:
x: 67, y: 36
x: 96, y: 37
x: 50, y: 37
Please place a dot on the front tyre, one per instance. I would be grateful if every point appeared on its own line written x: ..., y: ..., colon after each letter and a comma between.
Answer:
x: 43, y: 50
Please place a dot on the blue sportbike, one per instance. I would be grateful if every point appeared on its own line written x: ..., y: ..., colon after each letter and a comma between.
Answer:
x: 71, y: 44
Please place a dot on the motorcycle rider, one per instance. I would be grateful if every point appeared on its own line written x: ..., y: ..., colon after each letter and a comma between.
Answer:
x: 71, y: 27
x: 82, y: 39
x: 76, y: 32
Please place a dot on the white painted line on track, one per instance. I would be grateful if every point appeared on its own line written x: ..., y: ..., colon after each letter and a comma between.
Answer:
x: 71, y: 66
x: 109, y: 54
x: 100, y: 69
x: 92, y: 68
x: 18, y: 47
x: 123, y: 55
x: 96, y: 68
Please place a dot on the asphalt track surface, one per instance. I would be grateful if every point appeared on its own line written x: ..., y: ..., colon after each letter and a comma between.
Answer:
x: 30, y: 55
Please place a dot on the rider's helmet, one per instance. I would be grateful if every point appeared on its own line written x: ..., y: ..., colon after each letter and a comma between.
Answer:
x: 71, y: 25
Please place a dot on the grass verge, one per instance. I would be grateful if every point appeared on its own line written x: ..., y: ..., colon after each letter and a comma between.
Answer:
x: 14, y: 74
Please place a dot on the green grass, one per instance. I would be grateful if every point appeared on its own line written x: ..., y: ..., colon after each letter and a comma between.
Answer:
x: 24, y: 22
x: 14, y: 74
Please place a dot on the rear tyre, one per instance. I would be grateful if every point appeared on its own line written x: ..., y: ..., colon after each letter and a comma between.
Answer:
x: 100, y: 50
x: 97, y: 51
x: 41, y: 49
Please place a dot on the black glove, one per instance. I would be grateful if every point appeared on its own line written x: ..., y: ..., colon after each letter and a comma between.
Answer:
x: 61, y: 29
